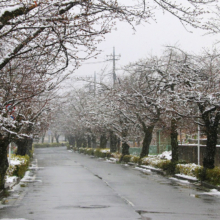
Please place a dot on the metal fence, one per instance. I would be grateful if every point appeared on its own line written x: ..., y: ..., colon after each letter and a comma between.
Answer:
x: 153, y: 150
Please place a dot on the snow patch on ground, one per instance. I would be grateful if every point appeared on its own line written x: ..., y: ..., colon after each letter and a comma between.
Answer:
x: 105, y: 151
x: 166, y: 155
x: 143, y: 170
x: 178, y: 180
x: 186, y: 177
x: 11, y: 179
x: 212, y: 192
x: 150, y: 167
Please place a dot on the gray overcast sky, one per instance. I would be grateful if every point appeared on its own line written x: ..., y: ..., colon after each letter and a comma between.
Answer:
x: 149, y: 39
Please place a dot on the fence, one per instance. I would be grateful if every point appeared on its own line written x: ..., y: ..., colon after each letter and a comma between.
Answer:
x: 153, y: 150
x: 189, y: 153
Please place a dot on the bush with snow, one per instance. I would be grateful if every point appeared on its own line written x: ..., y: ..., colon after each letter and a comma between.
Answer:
x: 18, y: 165
x: 187, y: 169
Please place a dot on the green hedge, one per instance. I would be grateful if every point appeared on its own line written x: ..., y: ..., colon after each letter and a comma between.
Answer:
x: 45, y: 145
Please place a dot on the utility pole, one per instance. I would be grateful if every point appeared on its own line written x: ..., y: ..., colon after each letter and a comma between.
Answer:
x: 94, y: 84
x: 114, y: 58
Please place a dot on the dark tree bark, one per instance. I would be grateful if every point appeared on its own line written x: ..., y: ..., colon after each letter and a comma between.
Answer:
x: 79, y: 142
x: 71, y: 139
x: 89, y: 141
x: 174, y: 141
x: 3, y: 161
x: 113, y: 142
x: 24, y: 146
x: 42, y: 139
x: 147, y: 140
x: 209, y: 158
x: 211, y: 119
x: 94, y: 143
x: 84, y: 142
x: 125, y: 150
x: 56, y: 135
x: 103, y: 140
x: 118, y: 144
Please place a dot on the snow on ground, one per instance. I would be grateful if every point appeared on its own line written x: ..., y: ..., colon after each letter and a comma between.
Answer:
x: 11, y: 179
x: 105, y: 151
x: 213, y: 192
x: 150, y: 167
x: 166, y: 155
x: 15, y: 161
x: 143, y: 170
x: 179, y: 180
x: 27, y: 177
x: 186, y: 177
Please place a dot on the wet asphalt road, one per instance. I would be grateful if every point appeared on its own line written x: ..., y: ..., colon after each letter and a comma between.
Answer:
x: 72, y: 186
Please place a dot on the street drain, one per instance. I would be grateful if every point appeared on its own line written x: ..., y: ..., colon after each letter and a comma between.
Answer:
x: 83, y: 207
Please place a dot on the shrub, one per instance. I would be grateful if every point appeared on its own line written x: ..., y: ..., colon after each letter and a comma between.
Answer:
x: 135, y: 159
x: 20, y: 168
x: 187, y: 169
x: 75, y: 148
x: 163, y: 164
x: 89, y: 151
x: 126, y: 158
x: 103, y: 153
x: 68, y: 146
x: 210, y: 175
x: 82, y: 150
x: 213, y: 176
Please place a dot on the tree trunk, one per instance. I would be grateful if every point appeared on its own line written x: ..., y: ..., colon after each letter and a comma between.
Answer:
x: 174, y: 141
x: 209, y: 158
x: 118, y: 144
x: 103, y: 141
x: 79, y: 142
x: 89, y: 140
x: 24, y: 146
x: 94, y: 143
x: 147, y: 140
x: 71, y: 140
x: 42, y: 139
x: 3, y: 161
x: 84, y: 142
x: 57, y: 137
x: 125, y: 150
x: 113, y: 142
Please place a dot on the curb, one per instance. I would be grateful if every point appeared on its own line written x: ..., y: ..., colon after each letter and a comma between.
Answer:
x: 209, y: 186
x: 161, y: 172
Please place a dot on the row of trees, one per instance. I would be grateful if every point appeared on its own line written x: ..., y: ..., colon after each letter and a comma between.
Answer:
x: 40, y: 39
x: 175, y: 90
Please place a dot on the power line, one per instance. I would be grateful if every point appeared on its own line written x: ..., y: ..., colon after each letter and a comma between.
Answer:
x: 96, y: 62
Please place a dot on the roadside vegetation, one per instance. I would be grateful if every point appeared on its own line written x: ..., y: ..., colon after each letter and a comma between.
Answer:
x: 161, y: 162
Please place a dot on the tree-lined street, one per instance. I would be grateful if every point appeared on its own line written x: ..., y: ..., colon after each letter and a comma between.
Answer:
x: 74, y: 186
